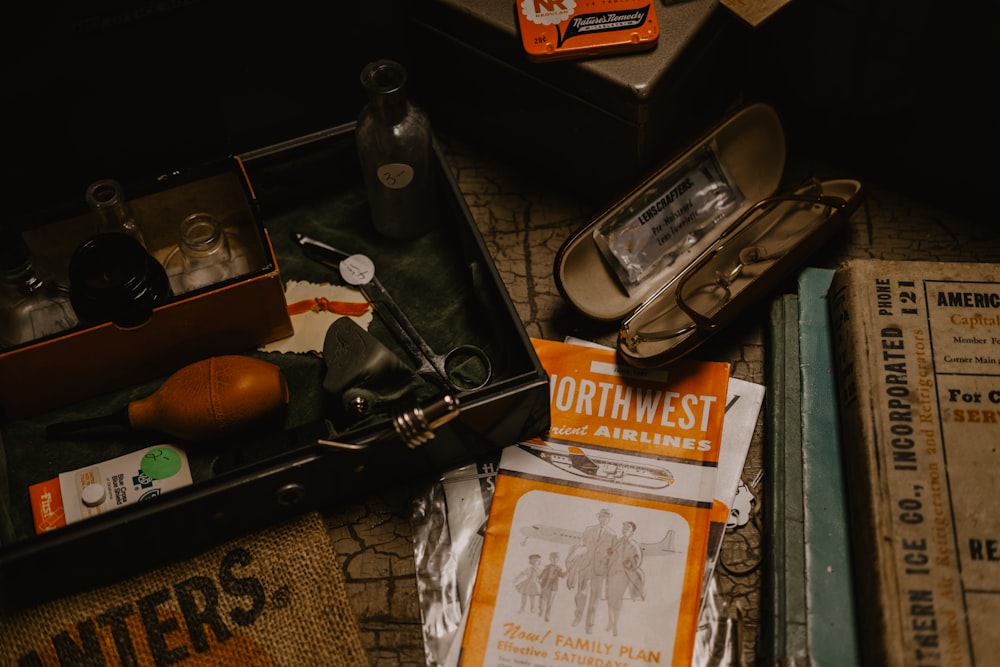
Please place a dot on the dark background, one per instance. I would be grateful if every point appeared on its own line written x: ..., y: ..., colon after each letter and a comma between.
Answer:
x: 899, y: 92
x: 128, y: 90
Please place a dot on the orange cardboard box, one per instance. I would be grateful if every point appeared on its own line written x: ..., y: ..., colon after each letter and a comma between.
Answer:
x: 237, y: 314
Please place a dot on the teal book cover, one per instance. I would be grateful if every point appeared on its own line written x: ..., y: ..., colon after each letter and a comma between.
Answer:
x: 809, y: 585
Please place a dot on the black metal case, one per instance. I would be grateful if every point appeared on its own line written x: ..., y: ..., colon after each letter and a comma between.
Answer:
x: 447, y: 282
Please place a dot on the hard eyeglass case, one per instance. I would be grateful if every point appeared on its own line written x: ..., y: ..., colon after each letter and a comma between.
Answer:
x: 700, y: 239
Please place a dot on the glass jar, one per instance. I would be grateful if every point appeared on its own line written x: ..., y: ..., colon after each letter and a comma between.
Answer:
x: 205, y: 252
x: 30, y: 307
x: 394, y: 142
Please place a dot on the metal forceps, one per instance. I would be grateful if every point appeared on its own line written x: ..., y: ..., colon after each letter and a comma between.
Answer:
x: 449, y: 370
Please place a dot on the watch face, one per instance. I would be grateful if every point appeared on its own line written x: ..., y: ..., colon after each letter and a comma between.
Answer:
x: 560, y: 29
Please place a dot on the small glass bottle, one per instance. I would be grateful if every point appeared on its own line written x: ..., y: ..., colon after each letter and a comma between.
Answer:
x: 30, y: 307
x: 205, y: 252
x: 106, y: 198
x: 394, y: 143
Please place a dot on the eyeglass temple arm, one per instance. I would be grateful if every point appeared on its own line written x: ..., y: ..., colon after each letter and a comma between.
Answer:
x: 724, y: 281
x: 701, y: 321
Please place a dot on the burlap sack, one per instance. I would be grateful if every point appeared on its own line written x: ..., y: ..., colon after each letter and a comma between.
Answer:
x: 276, y: 598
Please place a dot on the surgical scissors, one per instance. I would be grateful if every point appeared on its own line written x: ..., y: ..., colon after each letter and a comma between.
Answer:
x: 450, y: 370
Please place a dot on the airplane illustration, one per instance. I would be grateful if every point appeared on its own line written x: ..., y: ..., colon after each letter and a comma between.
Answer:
x: 563, y: 536
x: 573, y: 460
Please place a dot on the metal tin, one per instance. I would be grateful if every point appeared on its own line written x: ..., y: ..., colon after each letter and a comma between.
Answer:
x: 561, y: 29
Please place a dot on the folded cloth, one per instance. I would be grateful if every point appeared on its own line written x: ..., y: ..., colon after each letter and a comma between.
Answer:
x: 274, y: 598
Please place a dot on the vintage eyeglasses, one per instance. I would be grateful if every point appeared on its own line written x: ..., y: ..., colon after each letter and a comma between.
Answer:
x: 761, y: 236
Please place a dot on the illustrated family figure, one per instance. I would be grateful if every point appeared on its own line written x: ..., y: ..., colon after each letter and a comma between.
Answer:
x: 538, y: 585
x: 602, y: 565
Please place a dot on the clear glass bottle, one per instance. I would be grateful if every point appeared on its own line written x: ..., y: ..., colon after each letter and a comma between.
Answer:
x: 205, y: 252
x: 394, y: 143
x: 106, y: 198
x: 30, y: 307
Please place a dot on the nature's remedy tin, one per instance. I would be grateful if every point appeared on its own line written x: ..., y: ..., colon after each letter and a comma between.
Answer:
x: 559, y: 29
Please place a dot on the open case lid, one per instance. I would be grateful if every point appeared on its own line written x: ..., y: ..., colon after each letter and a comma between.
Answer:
x: 700, y: 239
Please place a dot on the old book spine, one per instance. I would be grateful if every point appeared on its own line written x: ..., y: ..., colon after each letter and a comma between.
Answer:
x: 784, y: 617
x: 916, y: 350
x: 831, y: 621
